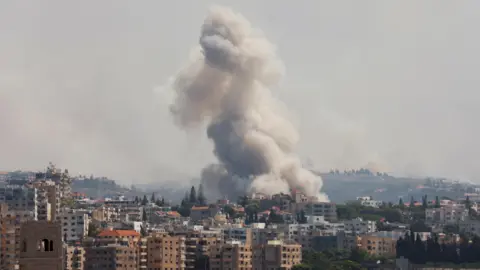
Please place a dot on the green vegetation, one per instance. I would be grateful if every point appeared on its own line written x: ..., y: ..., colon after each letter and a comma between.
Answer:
x: 433, y: 251
x: 353, y: 210
x: 335, y: 260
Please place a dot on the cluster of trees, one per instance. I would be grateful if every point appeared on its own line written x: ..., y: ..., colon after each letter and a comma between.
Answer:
x: 335, y: 260
x: 145, y: 200
x: 192, y: 198
x: 352, y: 210
x: 432, y: 250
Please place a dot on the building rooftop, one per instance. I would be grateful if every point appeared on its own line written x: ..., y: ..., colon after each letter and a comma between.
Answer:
x: 118, y: 233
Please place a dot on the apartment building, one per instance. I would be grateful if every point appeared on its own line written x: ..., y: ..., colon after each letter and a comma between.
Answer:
x: 128, y: 210
x: 166, y: 252
x: 114, y: 250
x: 278, y: 254
x: 74, y: 258
x: 380, y: 243
x: 240, y: 234
x: 203, y: 212
x: 311, y: 208
x: 198, y: 244
x: 49, y: 197
x: 10, y: 236
x: 106, y: 214
x: 231, y: 255
x: 42, y: 247
x: 123, y: 237
x: 74, y: 224
x: 20, y: 198
x: 359, y: 226
x: 470, y: 226
x: 111, y: 257
x: 341, y: 241
x: 448, y: 214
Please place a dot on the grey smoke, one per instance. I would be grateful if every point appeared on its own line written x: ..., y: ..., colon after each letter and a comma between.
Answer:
x: 228, y: 87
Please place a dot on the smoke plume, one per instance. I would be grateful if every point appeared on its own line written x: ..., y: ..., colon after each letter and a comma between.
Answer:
x: 227, y: 87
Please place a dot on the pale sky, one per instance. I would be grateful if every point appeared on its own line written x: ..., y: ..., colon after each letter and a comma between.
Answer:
x: 391, y: 82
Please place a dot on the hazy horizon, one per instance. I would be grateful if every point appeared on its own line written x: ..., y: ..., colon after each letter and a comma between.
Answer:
x: 82, y: 84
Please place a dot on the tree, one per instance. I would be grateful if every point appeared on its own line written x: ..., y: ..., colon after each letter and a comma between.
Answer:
x: 193, y: 195
x: 201, y: 197
x: 144, y: 215
x: 468, y: 206
x: 163, y: 201
x: 143, y: 231
x: 437, y: 202
x: 145, y: 200
x: 93, y: 230
x: 424, y: 202
x: 137, y: 200
x: 412, y: 202
x: 152, y: 199
x: 401, y: 205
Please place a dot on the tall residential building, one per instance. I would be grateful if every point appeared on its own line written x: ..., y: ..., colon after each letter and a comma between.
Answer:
x: 198, y: 244
x: 111, y: 257
x: 10, y: 236
x: 50, y: 196
x: 277, y: 254
x: 166, y: 252
x: 114, y: 250
x: 74, y: 224
x: 231, y: 255
x: 20, y: 198
x: 42, y: 247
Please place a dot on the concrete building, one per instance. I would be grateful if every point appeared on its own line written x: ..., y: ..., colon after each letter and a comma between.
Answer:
x: 74, y: 224
x: 449, y: 214
x: 380, y: 243
x: 198, y: 243
x: 326, y: 209
x: 202, y: 212
x: 470, y: 226
x: 20, y: 198
x: 231, y: 255
x: 359, y: 226
x: 106, y: 214
x: 114, y: 250
x: 166, y: 252
x: 10, y: 222
x: 41, y: 246
x: 74, y: 258
x: 111, y: 257
x: 278, y: 254
x: 49, y: 197
x: 128, y: 210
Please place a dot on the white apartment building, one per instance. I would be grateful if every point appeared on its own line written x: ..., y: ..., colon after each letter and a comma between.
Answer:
x: 369, y: 201
x: 470, y: 226
x: 446, y: 214
x: 74, y: 224
x: 359, y: 226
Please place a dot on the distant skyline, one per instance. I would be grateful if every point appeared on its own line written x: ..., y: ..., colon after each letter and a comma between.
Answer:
x: 393, y: 83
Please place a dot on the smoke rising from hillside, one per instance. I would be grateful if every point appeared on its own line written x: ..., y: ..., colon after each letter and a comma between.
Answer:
x: 227, y: 86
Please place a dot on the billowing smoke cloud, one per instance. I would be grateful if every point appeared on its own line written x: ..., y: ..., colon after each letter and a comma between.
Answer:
x: 227, y: 87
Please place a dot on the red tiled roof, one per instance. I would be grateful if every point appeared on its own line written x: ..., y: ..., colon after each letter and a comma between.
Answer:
x: 118, y: 233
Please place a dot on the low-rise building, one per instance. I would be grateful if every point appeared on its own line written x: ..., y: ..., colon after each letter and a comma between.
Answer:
x: 359, y: 226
